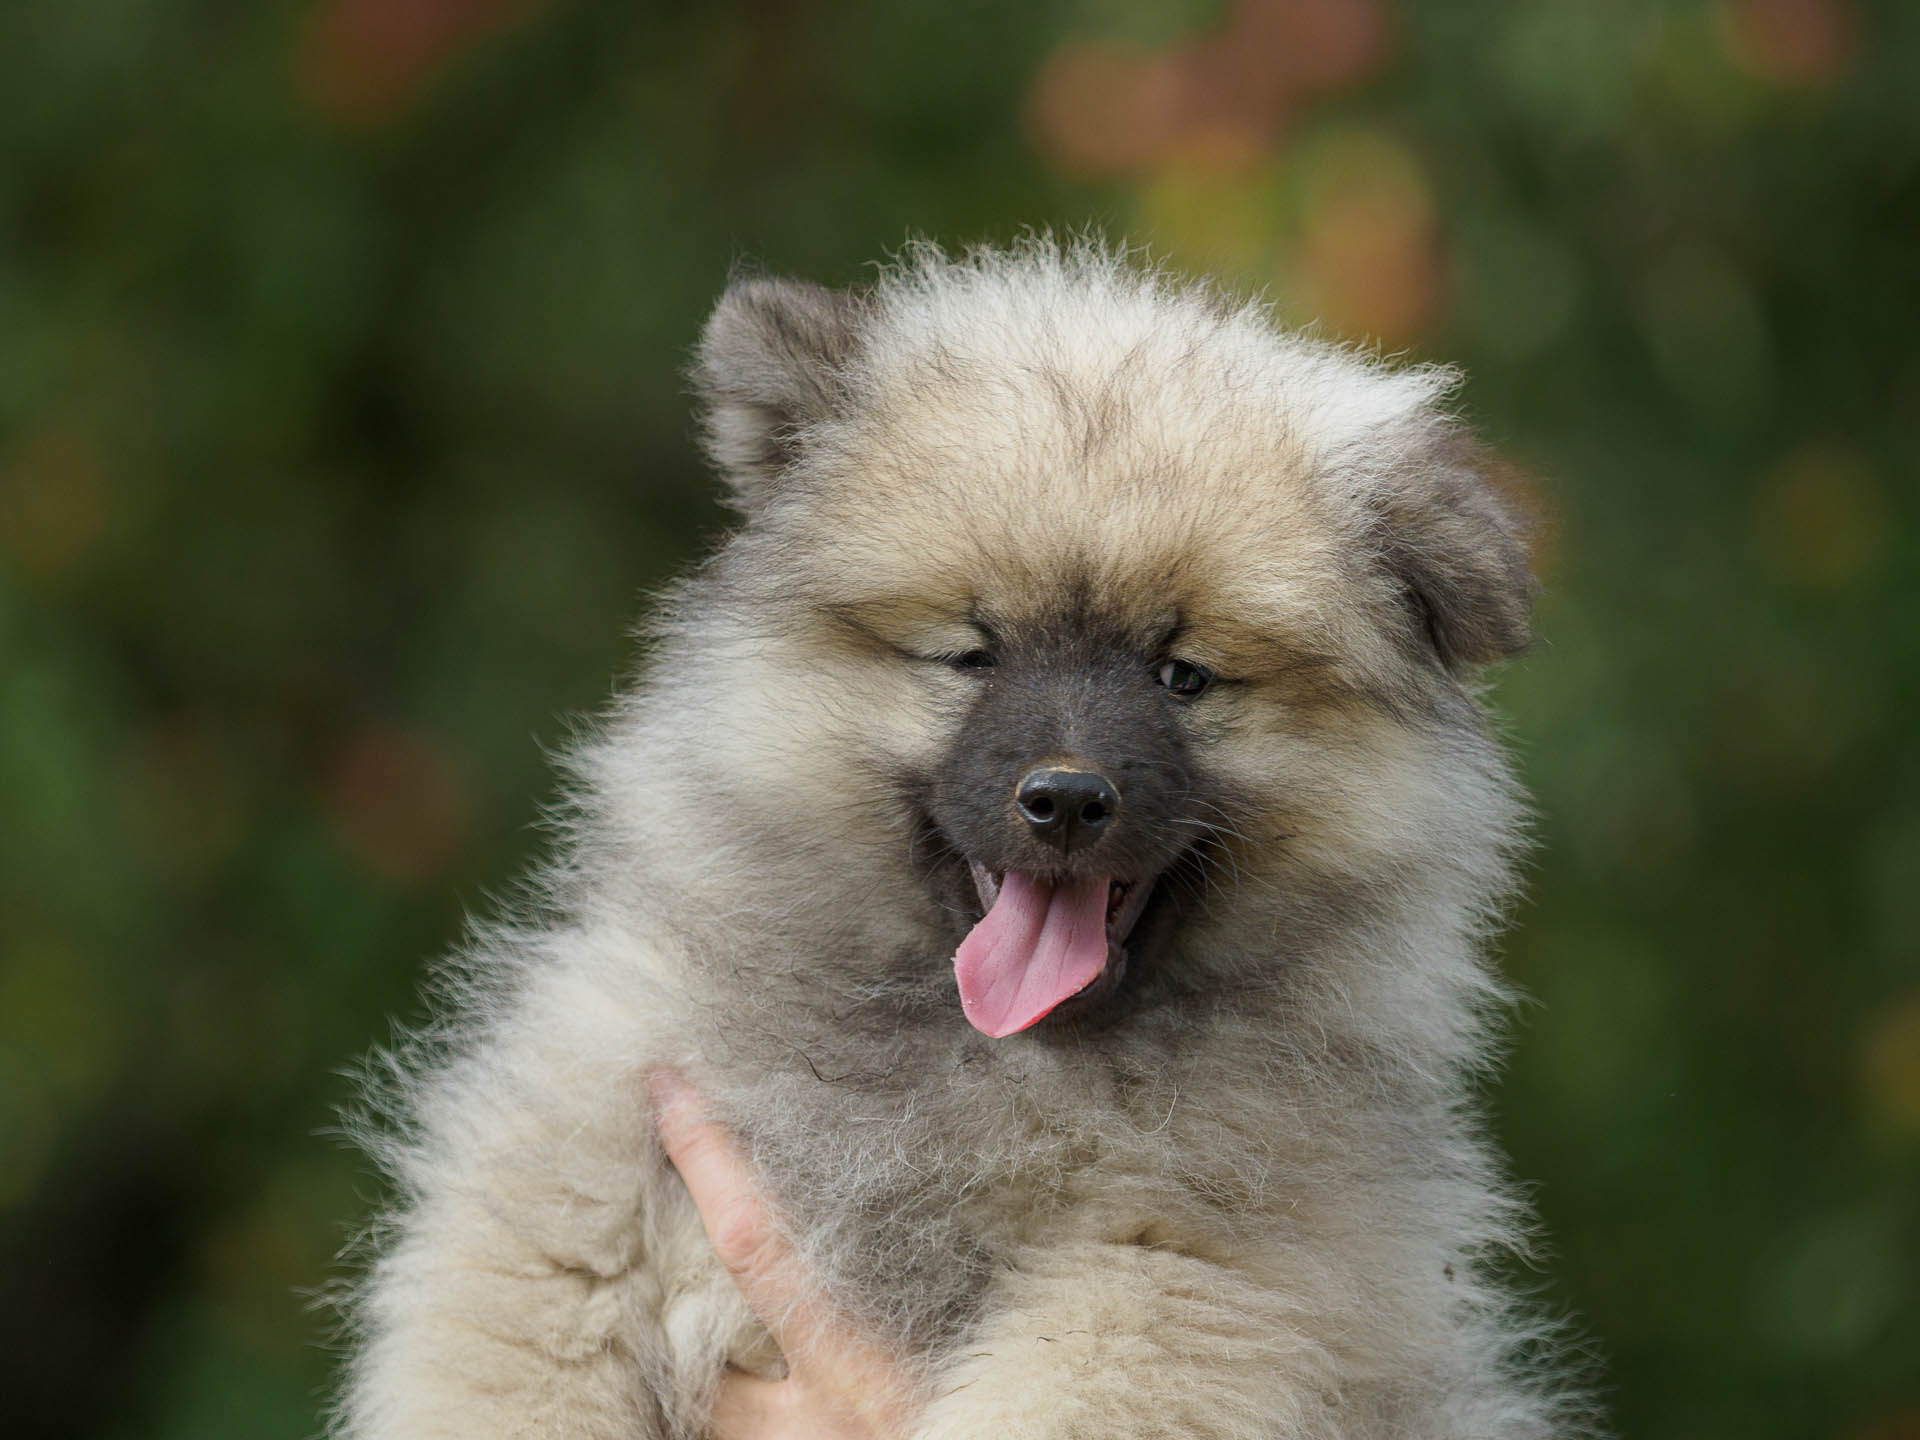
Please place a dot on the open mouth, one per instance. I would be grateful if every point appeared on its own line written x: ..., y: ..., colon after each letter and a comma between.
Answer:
x: 1042, y: 941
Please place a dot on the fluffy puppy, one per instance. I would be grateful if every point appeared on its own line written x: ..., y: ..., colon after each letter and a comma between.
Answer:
x: 1057, y: 832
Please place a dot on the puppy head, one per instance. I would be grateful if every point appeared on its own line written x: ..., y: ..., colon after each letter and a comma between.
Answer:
x: 1135, y: 627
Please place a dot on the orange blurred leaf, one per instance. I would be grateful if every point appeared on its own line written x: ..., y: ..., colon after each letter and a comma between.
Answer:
x: 398, y: 804
x: 1796, y: 43
x: 363, y: 63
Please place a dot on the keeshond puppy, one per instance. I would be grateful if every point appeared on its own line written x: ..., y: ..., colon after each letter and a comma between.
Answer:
x: 1057, y: 833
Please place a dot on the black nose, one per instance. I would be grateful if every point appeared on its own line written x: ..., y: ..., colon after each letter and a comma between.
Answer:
x: 1068, y: 808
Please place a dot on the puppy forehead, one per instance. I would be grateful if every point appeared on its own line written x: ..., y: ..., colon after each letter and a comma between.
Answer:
x: 1148, y: 505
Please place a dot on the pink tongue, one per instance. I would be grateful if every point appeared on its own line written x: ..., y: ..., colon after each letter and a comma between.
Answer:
x: 1035, y: 947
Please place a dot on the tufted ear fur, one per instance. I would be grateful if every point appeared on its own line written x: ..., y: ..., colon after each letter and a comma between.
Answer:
x: 768, y: 364
x: 1459, y: 549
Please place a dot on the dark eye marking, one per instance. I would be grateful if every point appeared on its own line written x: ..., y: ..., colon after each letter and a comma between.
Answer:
x: 1183, y: 678
x: 972, y: 660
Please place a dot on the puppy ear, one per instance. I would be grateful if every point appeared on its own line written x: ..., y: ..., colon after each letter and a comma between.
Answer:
x: 768, y: 365
x: 1459, y: 550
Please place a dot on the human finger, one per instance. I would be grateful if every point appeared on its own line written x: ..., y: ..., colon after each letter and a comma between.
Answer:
x: 746, y: 1407
x: 739, y: 1227
x: 838, y: 1378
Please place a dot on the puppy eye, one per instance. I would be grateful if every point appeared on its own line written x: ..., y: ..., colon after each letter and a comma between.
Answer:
x: 1184, y: 679
x: 972, y: 660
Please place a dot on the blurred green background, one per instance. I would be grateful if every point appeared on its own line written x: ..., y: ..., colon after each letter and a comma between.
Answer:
x: 342, y: 431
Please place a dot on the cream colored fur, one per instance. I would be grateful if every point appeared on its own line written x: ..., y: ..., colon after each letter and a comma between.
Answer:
x: 1265, y: 1210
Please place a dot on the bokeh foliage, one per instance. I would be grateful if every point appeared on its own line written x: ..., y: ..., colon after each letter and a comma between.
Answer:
x: 342, y: 431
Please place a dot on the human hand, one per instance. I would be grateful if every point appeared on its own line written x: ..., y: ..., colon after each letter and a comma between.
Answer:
x: 840, y: 1384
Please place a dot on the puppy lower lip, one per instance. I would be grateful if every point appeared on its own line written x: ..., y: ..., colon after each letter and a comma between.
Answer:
x: 986, y: 883
x: 1123, y: 911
